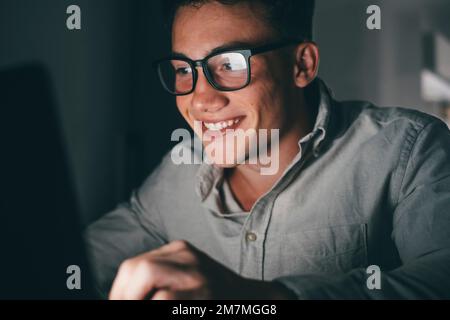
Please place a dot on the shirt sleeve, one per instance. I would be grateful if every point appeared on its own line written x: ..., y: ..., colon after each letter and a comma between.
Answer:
x: 129, y: 230
x: 421, y: 231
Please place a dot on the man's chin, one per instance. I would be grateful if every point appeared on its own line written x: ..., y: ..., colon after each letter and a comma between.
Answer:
x: 225, y: 166
x: 224, y: 160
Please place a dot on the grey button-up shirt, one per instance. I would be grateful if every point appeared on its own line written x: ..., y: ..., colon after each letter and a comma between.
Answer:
x: 369, y: 186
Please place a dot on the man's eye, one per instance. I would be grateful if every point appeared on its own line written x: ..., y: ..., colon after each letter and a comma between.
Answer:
x: 231, y: 67
x: 227, y: 67
x: 183, y: 71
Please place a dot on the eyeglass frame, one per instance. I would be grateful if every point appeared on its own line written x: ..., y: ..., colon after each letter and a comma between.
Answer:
x: 247, y: 53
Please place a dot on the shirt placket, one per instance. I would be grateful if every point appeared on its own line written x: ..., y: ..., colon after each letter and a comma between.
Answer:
x: 255, y: 228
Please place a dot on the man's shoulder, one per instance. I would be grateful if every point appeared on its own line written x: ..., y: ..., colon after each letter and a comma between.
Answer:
x: 393, y: 119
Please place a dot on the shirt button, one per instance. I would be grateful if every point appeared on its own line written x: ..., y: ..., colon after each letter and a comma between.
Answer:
x: 251, y: 236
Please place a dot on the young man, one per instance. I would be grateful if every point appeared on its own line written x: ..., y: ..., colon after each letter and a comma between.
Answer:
x: 355, y: 185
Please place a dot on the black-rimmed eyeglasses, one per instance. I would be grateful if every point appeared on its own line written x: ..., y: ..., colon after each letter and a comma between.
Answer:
x: 227, y: 70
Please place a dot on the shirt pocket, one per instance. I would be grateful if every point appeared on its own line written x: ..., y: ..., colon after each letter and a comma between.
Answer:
x: 336, y: 249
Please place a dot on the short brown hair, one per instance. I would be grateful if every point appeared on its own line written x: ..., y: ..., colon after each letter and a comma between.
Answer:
x: 293, y: 19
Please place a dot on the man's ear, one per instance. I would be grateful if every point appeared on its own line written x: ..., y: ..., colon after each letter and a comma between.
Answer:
x: 306, y: 63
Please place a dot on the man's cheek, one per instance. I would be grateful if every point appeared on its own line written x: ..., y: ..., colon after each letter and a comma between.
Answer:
x: 183, y: 106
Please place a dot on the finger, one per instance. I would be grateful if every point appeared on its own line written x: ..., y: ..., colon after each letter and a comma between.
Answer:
x: 164, y: 295
x: 149, y: 276
x: 140, y: 282
x: 170, y: 248
x: 181, y: 258
x: 122, y: 277
x: 140, y: 275
x: 126, y: 269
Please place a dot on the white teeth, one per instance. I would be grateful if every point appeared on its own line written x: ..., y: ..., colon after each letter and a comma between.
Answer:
x: 221, y: 125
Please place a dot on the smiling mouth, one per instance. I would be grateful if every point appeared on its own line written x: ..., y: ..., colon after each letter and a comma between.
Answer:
x: 222, y: 126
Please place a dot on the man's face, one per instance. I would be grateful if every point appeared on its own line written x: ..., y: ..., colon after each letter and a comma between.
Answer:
x: 260, y: 105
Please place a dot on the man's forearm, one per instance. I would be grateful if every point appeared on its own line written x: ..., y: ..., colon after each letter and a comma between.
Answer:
x: 427, y: 277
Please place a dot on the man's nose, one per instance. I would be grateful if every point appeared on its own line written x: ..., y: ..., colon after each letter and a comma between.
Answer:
x: 205, y: 97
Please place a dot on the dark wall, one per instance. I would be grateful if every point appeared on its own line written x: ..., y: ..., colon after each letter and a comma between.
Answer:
x: 154, y: 114
x: 103, y: 84
x: 384, y: 65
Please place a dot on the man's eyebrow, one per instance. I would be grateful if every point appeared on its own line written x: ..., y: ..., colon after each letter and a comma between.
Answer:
x: 227, y: 46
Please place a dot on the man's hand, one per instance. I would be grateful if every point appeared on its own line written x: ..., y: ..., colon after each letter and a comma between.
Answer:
x: 180, y: 271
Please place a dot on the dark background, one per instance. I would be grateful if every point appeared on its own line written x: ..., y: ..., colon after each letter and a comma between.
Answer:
x: 117, y: 120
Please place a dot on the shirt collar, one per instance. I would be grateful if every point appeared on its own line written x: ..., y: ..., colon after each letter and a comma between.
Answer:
x: 209, y: 176
x: 322, y: 126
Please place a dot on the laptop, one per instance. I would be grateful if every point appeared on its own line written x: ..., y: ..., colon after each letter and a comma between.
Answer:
x: 42, y: 252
